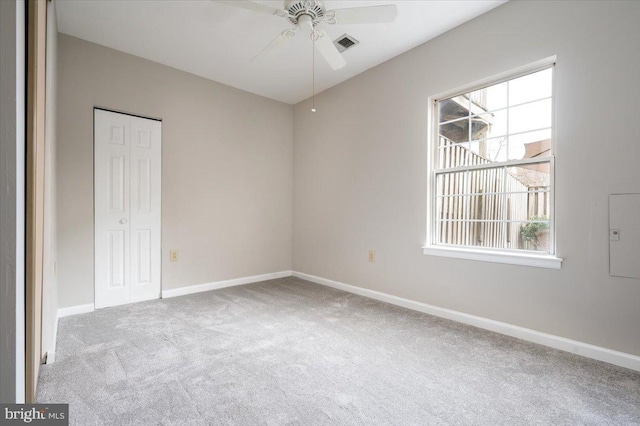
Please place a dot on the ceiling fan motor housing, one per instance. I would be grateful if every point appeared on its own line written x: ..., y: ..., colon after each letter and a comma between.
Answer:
x: 312, y: 8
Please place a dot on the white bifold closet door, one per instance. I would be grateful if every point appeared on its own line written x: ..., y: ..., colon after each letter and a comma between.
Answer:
x: 127, y: 188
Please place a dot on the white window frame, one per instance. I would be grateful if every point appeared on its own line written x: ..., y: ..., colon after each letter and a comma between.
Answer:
x: 515, y: 257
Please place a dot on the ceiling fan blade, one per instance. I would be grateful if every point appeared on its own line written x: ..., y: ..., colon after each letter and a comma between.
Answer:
x: 253, y: 6
x: 363, y: 15
x: 329, y: 51
x: 275, y: 44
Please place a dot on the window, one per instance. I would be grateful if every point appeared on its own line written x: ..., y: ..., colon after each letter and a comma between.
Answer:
x: 492, y: 169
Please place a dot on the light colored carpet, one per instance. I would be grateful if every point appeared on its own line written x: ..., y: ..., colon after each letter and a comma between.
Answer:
x: 289, y: 352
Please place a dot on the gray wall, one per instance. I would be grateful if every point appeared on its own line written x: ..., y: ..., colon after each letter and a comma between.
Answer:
x: 227, y: 169
x: 12, y: 161
x: 360, y: 171
x: 49, y: 279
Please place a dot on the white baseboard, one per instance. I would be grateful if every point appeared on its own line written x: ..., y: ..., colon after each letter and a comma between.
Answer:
x: 75, y: 310
x: 222, y: 284
x: 90, y: 307
x: 621, y: 359
x: 66, y: 312
x: 51, y: 355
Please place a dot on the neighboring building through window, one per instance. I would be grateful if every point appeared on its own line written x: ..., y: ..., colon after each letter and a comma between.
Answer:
x: 493, y: 167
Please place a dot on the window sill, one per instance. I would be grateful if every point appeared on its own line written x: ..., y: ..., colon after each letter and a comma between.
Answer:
x: 524, y: 259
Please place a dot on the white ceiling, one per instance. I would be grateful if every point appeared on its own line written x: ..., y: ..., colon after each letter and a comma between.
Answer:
x: 217, y: 42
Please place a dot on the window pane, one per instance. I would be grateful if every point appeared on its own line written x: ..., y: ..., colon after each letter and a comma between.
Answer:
x: 532, y: 175
x: 487, y: 209
x: 486, y: 181
x: 452, y: 232
x: 494, y: 149
x: 538, y: 205
x: 530, y: 145
x: 504, y: 208
x: 453, y: 108
x: 486, y: 206
x: 454, y: 155
x: 516, y: 211
x: 450, y: 184
x: 489, y: 125
x: 456, y: 131
x: 533, y: 116
x: 444, y: 142
x: 530, y: 87
x: 491, y: 98
x: 534, y: 234
x: 452, y: 208
x: 489, y: 234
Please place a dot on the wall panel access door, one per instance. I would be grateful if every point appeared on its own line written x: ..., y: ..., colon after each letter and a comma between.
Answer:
x: 127, y: 188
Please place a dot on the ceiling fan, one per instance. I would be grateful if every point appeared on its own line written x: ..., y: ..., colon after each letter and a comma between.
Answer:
x: 306, y: 15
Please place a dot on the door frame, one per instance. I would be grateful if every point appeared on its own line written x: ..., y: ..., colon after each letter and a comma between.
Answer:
x: 146, y: 117
x: 36, y: 39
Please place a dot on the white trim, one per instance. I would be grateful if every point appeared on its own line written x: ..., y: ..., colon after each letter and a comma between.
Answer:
x: 21, y: 150
x: 485, y: 166
x: 621, y: 359
x: 76, y: 310
x: 90, y: 307
x: 432, y: 150
x: 222, y: 284
x: 497, y: 78
x: 51, y: 354
x: 523, y: 259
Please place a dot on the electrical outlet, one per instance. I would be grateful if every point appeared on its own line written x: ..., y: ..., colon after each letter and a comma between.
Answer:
x: 372, y: 256
x: 173, y: 255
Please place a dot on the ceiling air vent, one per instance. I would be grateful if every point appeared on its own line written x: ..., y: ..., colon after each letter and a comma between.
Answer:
x: 345, y: 42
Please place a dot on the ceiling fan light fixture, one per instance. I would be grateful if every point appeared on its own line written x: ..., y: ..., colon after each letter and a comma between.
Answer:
x: 305, y: 22
x: 299, y: 8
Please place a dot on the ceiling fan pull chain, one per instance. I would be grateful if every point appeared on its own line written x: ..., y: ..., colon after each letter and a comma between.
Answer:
x: 314, y: 36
